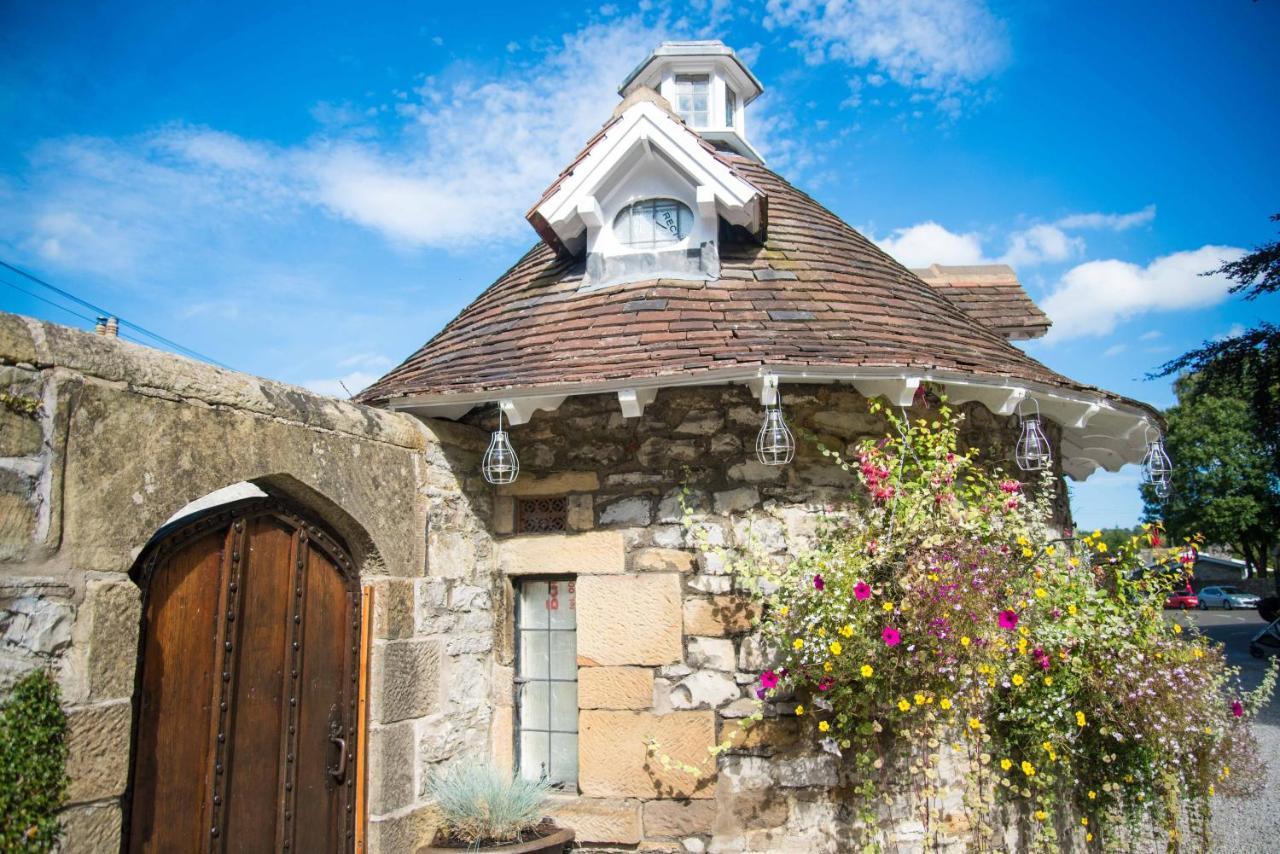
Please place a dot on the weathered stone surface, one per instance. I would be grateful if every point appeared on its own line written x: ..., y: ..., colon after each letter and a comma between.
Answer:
x: 504, y: 514
x: 629, y: 619
x: 760, y: 532
x: 662, y: 560
x: 393, y: 608
x: 710, y: 653
x: 737, y: 500
x: 98, y: 750
x: 615, y: 687
x: 588, y: 553
x: 599, y: 820
x: 450, y: 553
x: 754, y: 471
x: 627, y: 511
x: 405, y: 677
x: 502, y: 739
x: 806, y: 771
x: 37, y: 615
x: 614, y: 761
x: 580, y: 512
x: 553, y: 484
x: 718, y: 616
x: 677, y: 819
x: 391, y: 759
x: 91, y: 828
x: 17, y: 523
x: 700, y: 423
x: 406, y: 830
x: 716, y: 584
x: 20, y: 433
x: 705, y: 689
x: 114, y: 609
x: 764, y: 737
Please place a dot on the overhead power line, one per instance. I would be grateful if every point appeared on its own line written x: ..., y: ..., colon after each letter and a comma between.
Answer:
x: 163, y: 341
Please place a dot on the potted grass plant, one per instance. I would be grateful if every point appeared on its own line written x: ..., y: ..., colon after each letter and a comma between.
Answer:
x: 487, y: 810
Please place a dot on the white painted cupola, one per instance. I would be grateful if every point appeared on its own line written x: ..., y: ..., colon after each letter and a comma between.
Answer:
x: 650, y: 194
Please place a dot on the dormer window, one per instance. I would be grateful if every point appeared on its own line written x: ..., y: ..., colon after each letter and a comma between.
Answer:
x: 653, y: 222
x: 693, y: 99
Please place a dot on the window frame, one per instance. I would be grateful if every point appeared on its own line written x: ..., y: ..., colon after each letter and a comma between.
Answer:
x: 684, y: 215
x: 569, y: 787
x: 691, y: 79
x: 730, y: 107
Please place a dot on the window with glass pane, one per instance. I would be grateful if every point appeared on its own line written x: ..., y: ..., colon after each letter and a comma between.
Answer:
x: 693, y: 96
x: 730, y: 106
x: 653, y: 222
x: 547, y: 683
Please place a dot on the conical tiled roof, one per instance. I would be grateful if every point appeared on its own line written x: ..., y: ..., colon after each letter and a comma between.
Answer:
x: 816, y: 294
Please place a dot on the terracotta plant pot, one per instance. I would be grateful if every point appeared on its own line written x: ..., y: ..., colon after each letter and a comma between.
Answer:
x: 555, y: 842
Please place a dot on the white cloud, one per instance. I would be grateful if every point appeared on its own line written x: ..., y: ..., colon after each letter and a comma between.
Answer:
x: 929, y: 243
x: 1114, y: 350
x: 937, y: 46
x: 1039, y: 244
x: 1150, y: 335
x: 1092, y: 298
x: 1233, y: 331
x: 1108, y: 221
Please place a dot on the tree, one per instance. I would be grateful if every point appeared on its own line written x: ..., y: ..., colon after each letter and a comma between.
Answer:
x: 1222, y: 484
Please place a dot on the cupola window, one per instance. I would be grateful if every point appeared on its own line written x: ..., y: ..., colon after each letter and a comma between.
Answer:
x: 730, y: 107
x: 653, y: 222
x: 693, y: 99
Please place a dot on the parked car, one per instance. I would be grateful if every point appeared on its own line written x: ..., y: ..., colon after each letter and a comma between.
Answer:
x: 1227, y: 597
x: 1182, y: 597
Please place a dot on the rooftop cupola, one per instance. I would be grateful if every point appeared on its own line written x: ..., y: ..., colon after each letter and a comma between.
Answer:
x: 707, y: 85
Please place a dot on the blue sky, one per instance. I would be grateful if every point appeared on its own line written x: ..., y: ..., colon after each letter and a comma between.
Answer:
x: 309, y: 191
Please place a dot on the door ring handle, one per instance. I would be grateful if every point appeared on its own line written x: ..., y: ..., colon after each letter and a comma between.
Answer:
x: 341, y: 771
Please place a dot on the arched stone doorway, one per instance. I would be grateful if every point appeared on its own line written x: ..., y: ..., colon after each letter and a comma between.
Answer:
x: 246, y: 705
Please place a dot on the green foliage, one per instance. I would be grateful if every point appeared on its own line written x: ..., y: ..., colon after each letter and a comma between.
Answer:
x: 1118, y: 538
x: 482, y: 805
x: 20, y: 404
x: 33, y: 759
x: 1223, y: 481
x: 948, y: 617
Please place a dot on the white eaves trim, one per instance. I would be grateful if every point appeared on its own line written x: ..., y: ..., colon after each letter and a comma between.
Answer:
x: 644, y: 124
x: 1096, y: 432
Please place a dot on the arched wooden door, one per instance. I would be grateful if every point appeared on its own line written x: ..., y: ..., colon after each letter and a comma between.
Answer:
x: 245, y: 734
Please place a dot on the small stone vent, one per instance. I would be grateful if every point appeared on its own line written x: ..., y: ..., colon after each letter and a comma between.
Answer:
x: 544, y: 515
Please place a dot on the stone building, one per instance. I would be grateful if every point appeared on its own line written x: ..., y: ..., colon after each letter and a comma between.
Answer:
x: 155, y: 513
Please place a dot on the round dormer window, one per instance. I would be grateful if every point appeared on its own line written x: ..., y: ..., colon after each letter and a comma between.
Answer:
x: 653, y: 222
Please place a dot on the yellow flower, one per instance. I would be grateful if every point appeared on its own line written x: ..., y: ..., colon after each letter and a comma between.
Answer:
x: 1017, y: 679
x: 1041, y: 815
x: 1097, y: 534
x: 1049, y: 550
x: 823, y: 726
x: 888, y: 606
x: 1022, y: 646
x: 1026, y: 552
x: 1088, y: 837
x: 1084, y: 820
x: 964, y: 640
x: 903, y: 705
x: 847, y: 630
x: 1102, y: 547
x: 944, y: 704
x: 933, y: 576
x: 836, y: 648
x: 1040, y: 594
x: 1198, y: 653
x: 974, y: 723
x: 1053, y: 757
x: 827, y: 666
x: 1071, y: 609
x: 799, y: 710
x: 1073, y: 561
x: 1210, y: 790
x: 1048, y: 680
x: 1128, y: 778
x: 798, y: 643
x: 1079, y: 718
x: 1177, y: 629
x: 1093, y: 796
x: 1005, y: 764
x: 866, y: 671
x: 784, y: 610
x: 1028, y: 768
x: 1023, y: 541
x: 1046, y: 746
x: 919, y: 699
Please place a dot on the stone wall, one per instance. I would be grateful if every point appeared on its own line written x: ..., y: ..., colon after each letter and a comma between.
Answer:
x: 665, y: 647
x: 102, y: 441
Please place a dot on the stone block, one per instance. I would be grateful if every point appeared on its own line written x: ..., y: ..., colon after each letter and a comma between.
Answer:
x: 737, y: 500
x: 678, y: 819
x: 614, y: 759
x: 705, y: 689
x: 17, y: 523
x: 450, y: 554
x: 610, y: 821
x: 504, y: 514
x: 91, y: 828
x: 405, y: 677
x: 580, y: 512
x: 590, y: 553
x: 615, y: 687
x: 710, y: 653
x: 754, y: 471
x: 806, y: 771
x: 629, y: 619
x: 20, y: 433
x: 502, y: 739
x: 36, y: 616
x: 391, y: 760
x: 662, y: 560
x: 627, y: 511
x: 718, y: 616
x: 393, y: 608
x: 115, y: 609
x: 764, y: 737
x: 553, y: 484
x: 403, y: 831
x: 98, y: 750
x: 715, y: 584
x: 700, y: 423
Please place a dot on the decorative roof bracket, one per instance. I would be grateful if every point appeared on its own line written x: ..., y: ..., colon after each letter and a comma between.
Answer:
x: 900, y: 391
x: 520, y: 409
x: 634, y: 400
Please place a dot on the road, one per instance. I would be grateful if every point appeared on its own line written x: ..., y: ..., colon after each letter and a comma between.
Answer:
x: 1245, y: 826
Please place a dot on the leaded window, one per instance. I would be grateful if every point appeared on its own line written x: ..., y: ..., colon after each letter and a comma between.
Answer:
x: 547, y: 681
x: 693, y: 99
x: 653, y: 222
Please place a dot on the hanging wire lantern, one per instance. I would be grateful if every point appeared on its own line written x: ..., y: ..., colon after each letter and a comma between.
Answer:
x: 1157, y: 468
x: 775, y: 446
x: 500, y: 464
x: 1162, y: 489
x: 1032, y: 452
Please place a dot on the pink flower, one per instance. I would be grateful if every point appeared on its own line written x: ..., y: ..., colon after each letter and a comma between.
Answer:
x: 1007, y: 620
x: 1237, y: 708
x: 1010, y: 486
x: 890, y: 636
x: 825, y: 683
x: 861, y: 591
x: 818, y: 583
x: 769, y: 679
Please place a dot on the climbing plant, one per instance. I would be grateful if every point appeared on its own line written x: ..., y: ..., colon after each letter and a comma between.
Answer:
x: 33, y: 758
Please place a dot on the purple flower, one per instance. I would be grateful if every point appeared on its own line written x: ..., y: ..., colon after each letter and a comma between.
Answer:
x: 890, y: 636
x: 1007, y: 620
x: 818, y: 583
x: 861, y: 591
x: 1237, y: 708
x: 769, y: 679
